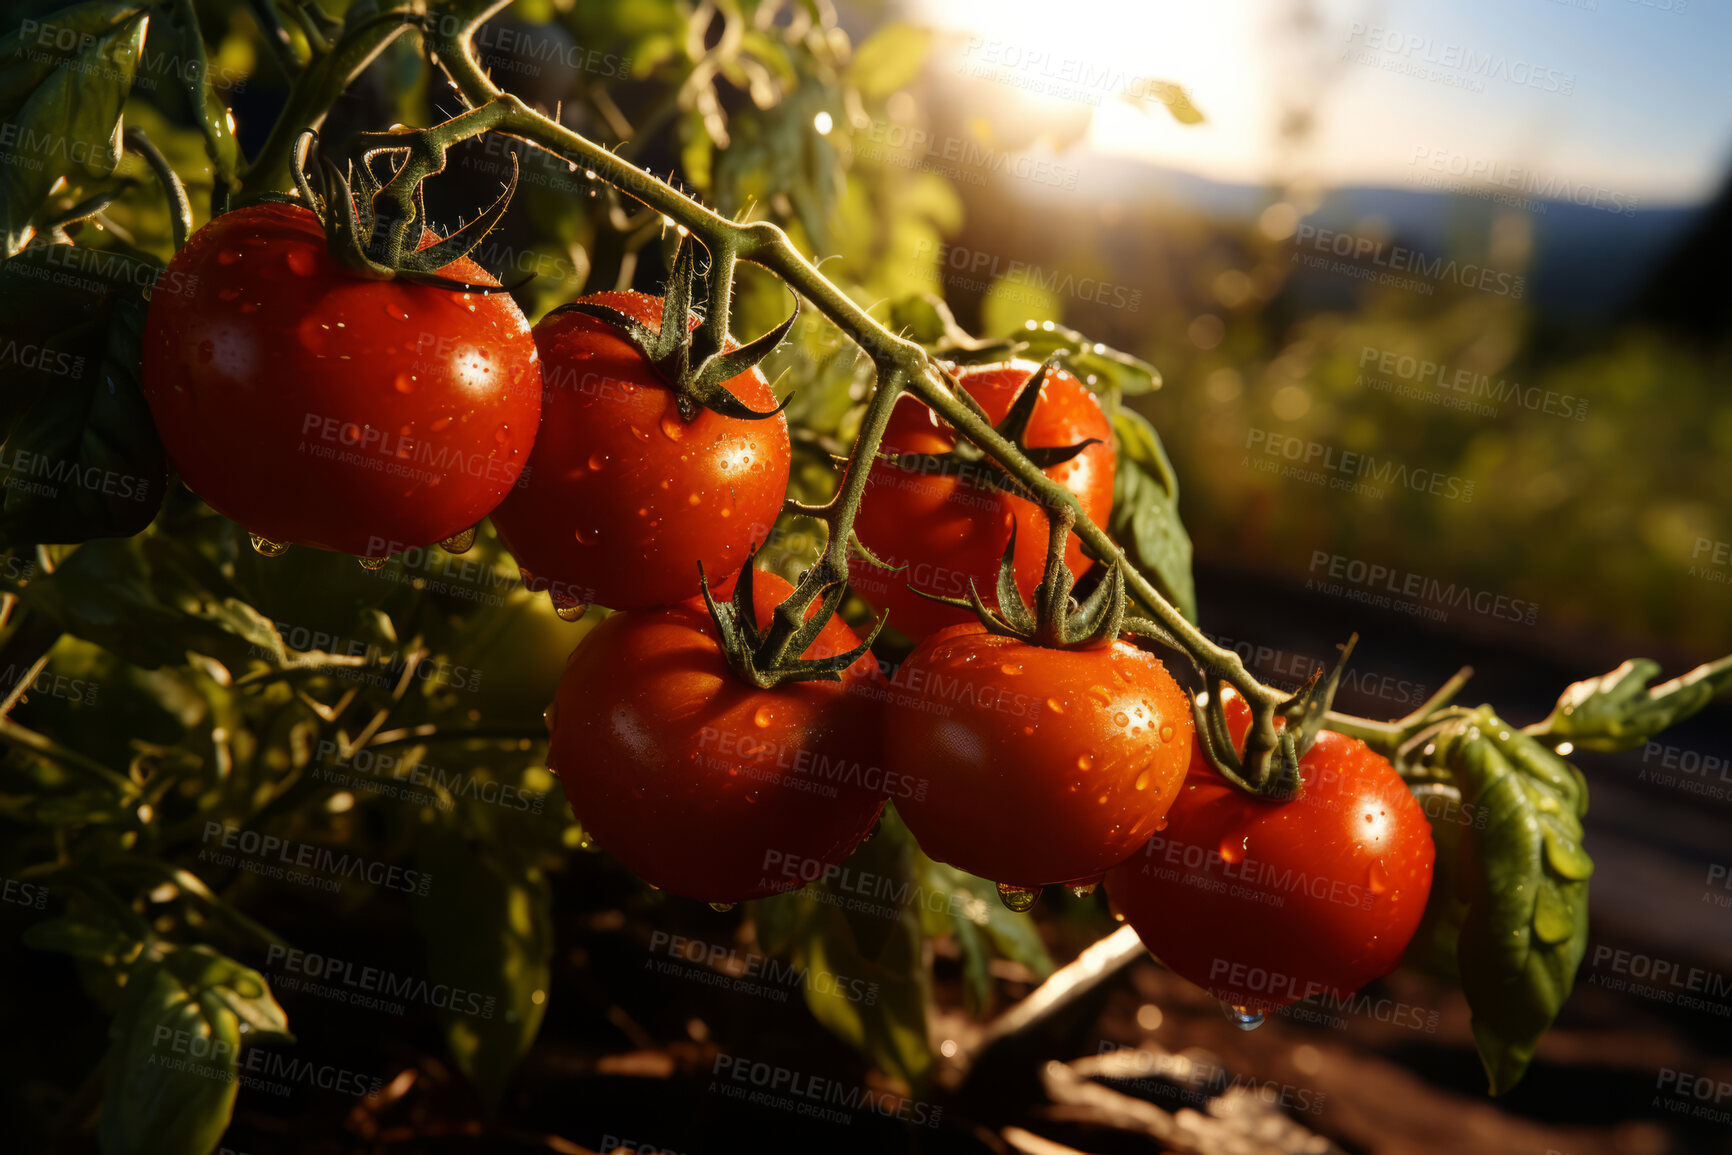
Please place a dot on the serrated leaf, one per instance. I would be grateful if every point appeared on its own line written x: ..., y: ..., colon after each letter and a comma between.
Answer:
x: 63, y: 81
x: 81, y: 458
x: 1617, y: 711
x: 488, y: 926
x: 1145, y: 515
x: 175, y: 1049
x: 1524, y: 877
x: 889, y: 59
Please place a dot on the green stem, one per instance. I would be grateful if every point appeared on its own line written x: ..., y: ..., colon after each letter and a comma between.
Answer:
x: 179, y: 204
x: 313, y: 92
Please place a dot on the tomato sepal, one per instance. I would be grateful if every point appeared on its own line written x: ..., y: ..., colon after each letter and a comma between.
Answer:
x: 971, y: 461
x: 746, y: 647
x: 372, y: 242
x: 672, y: 349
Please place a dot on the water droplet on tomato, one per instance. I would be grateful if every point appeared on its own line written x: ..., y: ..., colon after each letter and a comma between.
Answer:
x: 568, y: 609
x: 440, y: 425
x: 404, y: 383
x: 1055, y: 705
x: 459, y: 542
x: 585, y: 536
x: 1019, y: 899
x: 302, y: 262
x: 550, y: 716
x: 763, y: 717
x: 597, y: 460
x: 267, y: 547
x: 1012, y: 671
x: 1167, y: 733
x: 396, y: 312
x: 722, y: 907
x: 1142, y: 782
x: 693, y: 499
x: 373, y: 564
x: 1233, y: 851
x: 229, y: 257
x: 248, y: 308
x: 1121, y: 719
x: 1085, y: 762
x: 1084, y: 889
x: 1377, y: 880
x: 228, y: 293
x: 1161, y: 822
x: 1244, y: 1018
x: 672, y: 427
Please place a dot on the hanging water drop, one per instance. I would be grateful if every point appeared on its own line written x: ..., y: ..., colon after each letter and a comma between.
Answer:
x: 1244, y: 1018
x: 568, y: 609
x: 722, y: 907
x: 374, y: 564
x: 1019, y: 899
x: 1084, y: 889
x: 267, y: 547
x: 459, y: 542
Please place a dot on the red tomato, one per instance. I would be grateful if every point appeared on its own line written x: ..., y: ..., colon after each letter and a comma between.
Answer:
x: 947, y: 529
x: 320, y: 408
x: 624, y: 498
x: 701, y: 784
x: 1266, y: 903
x: 1029, y: 765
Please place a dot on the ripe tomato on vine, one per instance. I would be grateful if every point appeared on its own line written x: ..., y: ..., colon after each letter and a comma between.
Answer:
x: 625, y: 494
x: 317, y: 407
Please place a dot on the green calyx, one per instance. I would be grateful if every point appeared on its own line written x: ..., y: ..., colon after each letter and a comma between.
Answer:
x: 373, y: 227
x: 1056, y: 620
x: 970, y: 462
x: 1303, y: 713
x: 751, y: 652
x: 693, y: 363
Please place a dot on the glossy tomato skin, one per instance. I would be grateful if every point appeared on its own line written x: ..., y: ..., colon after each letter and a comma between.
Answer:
x: 1034, y: 766
x: 1264, y: 904
x: 319, y: 408
x: 947, y: 529
x: 701, y: 784
x: 624, y: 498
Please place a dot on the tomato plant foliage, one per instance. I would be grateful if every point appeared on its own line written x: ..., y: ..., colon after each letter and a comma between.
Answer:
x: 187, y: 708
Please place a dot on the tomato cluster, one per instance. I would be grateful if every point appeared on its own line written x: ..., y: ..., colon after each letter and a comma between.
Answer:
x: 405, y: 411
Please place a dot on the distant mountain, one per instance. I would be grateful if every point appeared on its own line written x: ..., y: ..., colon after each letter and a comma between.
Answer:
x: 1588, y: 263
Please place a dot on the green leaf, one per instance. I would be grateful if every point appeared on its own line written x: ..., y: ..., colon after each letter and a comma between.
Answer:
x: 1617, y: 711
x: 109, y: 592
x: 876, y: 954
x: 63, y: 81
x: 889, y: 59
x: 1524, y: 877
x: 488, y: 926
x: 81, y: 458
x: 175, y: 1048
x: 1099, y: 367
x: 1145, y: 516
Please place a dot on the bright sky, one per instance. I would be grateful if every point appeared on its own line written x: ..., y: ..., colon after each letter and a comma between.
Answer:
x: 1630, y: 95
